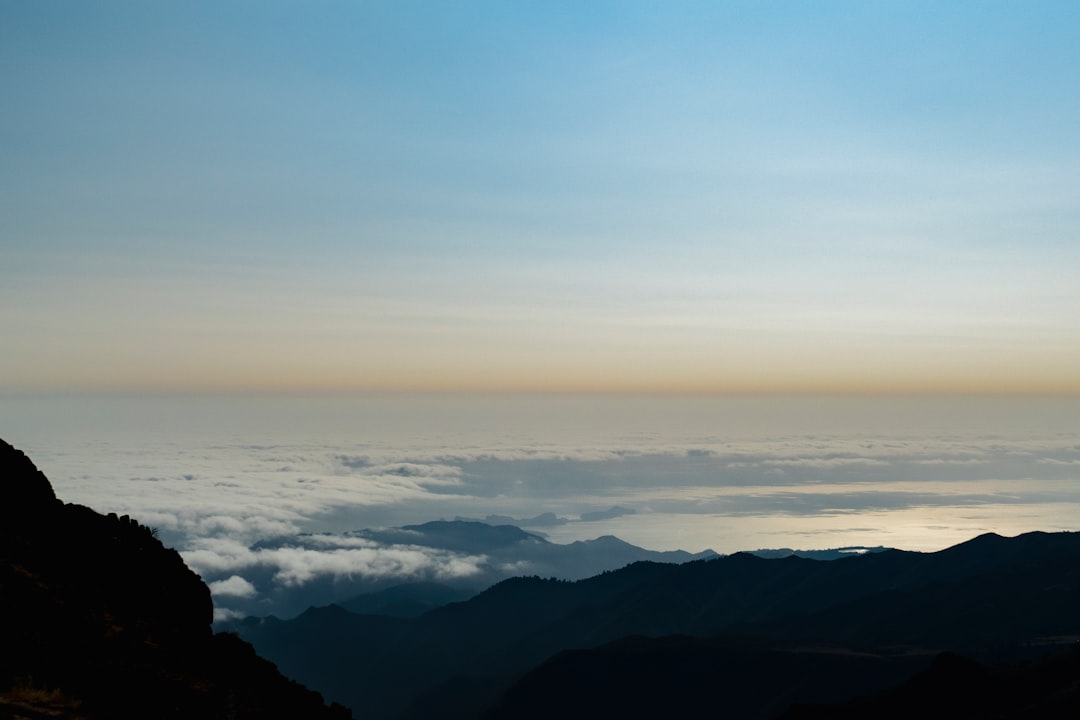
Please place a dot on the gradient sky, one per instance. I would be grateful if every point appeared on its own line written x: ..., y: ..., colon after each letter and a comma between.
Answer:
x: 727, y: 196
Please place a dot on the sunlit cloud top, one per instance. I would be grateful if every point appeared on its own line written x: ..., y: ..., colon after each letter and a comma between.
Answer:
x: 730, y: 197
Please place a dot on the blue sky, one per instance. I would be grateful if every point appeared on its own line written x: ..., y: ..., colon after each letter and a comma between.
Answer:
x: 734, y: 197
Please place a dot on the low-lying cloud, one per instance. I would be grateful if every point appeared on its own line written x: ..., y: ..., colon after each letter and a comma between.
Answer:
x: 297, y: 562
x: 233, y: 586
x: 235, y: 507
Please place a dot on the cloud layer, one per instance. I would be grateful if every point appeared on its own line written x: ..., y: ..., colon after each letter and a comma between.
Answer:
x: 235, y: 504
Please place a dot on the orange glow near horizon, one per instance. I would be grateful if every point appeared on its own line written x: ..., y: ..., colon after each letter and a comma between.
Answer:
x: 732, y: 381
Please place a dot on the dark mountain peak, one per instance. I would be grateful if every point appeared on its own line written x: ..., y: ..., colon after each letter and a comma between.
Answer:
x: 25, y: 492
x: 841, y: 553
x: 467, y: 527
x: 747, y: 558
x: 985, y: 540
x: 406, y: 600
x: 517, y: 584
x: 112, y: 622
x: 992, y: 541
x: 993, y: 551
x: 325, y: 611
x: 468, y: 535
x: 604, y: 541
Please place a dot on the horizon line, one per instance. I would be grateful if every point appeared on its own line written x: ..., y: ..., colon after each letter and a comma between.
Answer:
x: 535, y: 391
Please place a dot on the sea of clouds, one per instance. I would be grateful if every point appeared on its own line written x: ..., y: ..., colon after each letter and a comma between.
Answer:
x: 233, y: 483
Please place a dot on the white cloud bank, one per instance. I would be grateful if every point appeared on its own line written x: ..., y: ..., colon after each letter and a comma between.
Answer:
x: 230, y: 502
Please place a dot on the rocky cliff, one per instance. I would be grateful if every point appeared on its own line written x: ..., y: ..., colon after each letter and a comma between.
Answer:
x: 99, y: 620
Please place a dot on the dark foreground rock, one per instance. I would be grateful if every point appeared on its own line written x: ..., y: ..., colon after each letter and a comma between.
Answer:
x: 99, y: 620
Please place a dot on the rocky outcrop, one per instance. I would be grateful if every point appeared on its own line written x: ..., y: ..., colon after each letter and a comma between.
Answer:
x: 99, y: 620
x: 25, y: 492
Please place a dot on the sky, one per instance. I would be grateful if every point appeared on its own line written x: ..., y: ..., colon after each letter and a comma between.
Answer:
x: 727, y: 197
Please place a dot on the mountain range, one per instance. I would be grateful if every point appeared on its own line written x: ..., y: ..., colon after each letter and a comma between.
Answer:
x: 498, y: 551
x: 99, y: 620
x: 756, y: 635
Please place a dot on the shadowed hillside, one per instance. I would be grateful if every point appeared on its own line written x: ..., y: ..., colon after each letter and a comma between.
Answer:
x: 100, y: 620
x: 955, y: 687
x: 678, y: 676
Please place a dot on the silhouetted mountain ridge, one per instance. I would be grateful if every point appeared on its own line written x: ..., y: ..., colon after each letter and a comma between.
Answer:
x: 459, y: 535
x: 405, y: 600
x: 100, y: 620
x: 984, y: 595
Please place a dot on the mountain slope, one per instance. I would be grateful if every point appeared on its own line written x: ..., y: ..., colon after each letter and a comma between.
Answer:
x: 99, y: 620
x: 678, y: 676
x: 956, y: 687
